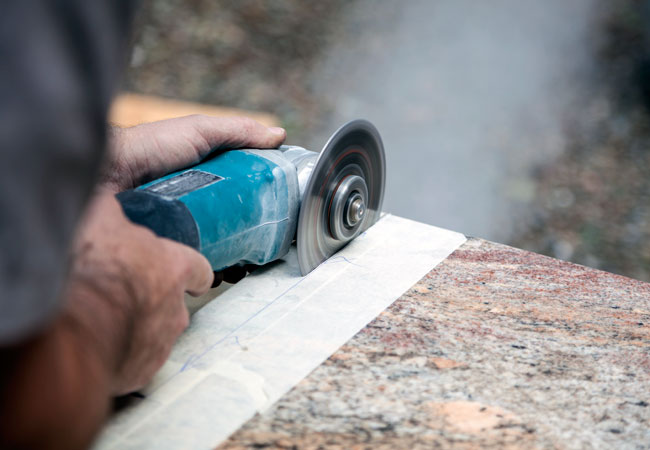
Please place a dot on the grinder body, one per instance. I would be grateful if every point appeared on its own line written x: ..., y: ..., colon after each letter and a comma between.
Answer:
x: 239, y: 207
x: 247, y: 206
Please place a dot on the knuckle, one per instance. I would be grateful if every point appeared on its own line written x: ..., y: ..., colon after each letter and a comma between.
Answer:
x: 196, y: 121
x: 246, y: 124
x: 181, y: 264
x: 176, y: 263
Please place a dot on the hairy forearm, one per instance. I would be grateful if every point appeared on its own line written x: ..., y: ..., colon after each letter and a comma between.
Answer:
x: 55, y: 391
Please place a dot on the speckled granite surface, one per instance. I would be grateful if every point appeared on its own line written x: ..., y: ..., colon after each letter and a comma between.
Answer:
x: 495, y: 348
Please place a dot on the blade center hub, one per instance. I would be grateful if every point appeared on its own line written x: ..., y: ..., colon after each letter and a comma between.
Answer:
x: 348, y: 208
x: 354, y: 209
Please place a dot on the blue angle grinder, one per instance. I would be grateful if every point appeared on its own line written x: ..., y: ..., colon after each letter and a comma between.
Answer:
x: 248, y: 206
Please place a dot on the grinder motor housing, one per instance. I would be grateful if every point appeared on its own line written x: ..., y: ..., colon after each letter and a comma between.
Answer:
x: 240, y: 207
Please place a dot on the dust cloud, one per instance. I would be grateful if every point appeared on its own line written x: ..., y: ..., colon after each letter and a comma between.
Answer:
x: 469, y: 97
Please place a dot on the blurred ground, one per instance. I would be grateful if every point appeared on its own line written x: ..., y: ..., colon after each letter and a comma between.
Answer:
x: 565, y: 174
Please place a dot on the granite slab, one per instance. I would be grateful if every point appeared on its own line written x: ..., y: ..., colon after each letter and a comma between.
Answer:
x: 495, y: 348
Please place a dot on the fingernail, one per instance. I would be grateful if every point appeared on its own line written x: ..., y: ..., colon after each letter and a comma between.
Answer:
x: 277, y: 130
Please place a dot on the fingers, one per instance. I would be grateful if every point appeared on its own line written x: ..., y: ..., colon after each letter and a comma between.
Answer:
x: 195, y: 268
x: 237, y: 132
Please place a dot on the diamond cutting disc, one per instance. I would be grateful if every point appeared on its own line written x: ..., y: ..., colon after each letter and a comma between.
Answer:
x: 344, y: 193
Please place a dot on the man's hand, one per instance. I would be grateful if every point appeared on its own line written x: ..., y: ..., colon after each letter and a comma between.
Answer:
x: 125, y: 292
x: 145, y: 152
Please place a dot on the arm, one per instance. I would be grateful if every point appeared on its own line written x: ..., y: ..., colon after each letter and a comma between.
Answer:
x: 59, y: 66
x: 124, y: 295
x: 41, y: 394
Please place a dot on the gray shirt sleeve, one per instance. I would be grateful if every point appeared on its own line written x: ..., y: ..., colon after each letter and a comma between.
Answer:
x: 60, y: 62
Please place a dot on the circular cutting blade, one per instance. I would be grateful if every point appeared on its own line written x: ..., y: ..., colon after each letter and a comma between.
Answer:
x: 354, y: 149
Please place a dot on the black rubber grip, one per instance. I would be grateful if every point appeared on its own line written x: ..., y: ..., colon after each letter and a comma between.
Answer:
x: 168, y: 218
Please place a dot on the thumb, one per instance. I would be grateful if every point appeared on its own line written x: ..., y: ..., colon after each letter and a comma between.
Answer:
x: 150, y: 150
x: 237, y: 132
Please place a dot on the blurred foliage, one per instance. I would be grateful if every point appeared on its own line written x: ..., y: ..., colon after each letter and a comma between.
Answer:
x: 605, y: 171
x: 623, y: 52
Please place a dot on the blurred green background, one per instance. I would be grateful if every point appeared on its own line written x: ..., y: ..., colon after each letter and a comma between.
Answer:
x: 516, y: 121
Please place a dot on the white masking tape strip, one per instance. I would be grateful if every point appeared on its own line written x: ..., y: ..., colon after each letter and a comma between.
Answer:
x: 258, y: 339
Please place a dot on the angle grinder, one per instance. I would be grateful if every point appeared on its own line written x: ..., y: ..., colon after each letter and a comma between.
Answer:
x: 248, y: 206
